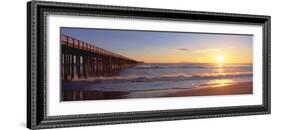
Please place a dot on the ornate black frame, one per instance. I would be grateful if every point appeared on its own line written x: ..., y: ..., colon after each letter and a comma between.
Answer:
x: 36, y: 64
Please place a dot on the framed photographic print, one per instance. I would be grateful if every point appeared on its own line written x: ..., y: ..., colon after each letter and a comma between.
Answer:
x: 99, y: 64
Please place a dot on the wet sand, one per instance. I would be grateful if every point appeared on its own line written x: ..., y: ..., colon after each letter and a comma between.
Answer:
x: 228, y: 89
x: 76, y: 95
x: 237, y: 88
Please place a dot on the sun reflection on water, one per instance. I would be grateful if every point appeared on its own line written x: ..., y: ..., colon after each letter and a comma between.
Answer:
x: 220, y: 65
x: 220, y: 82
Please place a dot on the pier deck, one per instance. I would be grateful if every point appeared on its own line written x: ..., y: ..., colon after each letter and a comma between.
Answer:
x: 80, y: 59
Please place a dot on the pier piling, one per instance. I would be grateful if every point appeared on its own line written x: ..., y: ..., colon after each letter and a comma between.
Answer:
x: 80, y: 59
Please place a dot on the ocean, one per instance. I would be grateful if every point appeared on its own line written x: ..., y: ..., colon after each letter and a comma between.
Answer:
x: 152, y: 80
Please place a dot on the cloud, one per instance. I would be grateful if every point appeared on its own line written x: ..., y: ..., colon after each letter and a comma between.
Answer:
x: 184, y: 49
x: 207, y: 50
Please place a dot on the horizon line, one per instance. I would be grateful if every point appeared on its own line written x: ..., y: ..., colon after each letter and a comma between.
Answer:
x: 192, y: 63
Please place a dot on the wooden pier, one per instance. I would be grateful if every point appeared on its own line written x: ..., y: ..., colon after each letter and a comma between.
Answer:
x: 81, y: 60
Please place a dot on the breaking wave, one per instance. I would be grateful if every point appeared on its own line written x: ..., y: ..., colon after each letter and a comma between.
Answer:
x: 187, y: 67
x: 178, y: 77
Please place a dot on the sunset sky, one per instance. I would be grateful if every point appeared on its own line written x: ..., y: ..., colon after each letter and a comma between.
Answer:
x: 169, y: 47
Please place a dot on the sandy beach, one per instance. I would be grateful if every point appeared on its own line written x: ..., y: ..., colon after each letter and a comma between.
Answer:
x: 228, y: 89
x: 236, y: 88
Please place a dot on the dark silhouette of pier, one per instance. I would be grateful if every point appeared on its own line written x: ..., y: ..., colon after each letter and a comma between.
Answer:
x: 80, y: 59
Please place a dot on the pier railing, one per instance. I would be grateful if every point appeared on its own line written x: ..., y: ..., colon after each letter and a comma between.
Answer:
x: 80, y: 59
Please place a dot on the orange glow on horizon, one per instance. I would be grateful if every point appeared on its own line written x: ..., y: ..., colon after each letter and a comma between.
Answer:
x: 226, y: 57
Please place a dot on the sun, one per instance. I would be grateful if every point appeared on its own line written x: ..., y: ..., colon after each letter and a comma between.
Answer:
x: 220, y: 59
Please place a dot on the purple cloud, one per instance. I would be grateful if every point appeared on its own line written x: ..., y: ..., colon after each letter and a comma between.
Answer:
x: 184, y: 49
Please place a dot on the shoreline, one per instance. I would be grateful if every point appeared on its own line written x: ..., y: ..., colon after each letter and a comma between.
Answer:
x: 230, y: 89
